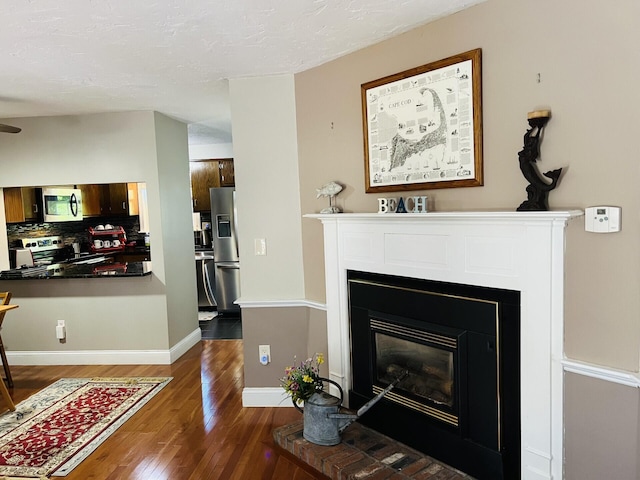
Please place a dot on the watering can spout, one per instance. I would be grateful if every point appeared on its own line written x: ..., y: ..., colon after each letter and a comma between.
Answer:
x: 344, y: 420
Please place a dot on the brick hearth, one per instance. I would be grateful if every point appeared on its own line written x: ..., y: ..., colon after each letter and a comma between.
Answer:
x: 363, y: 454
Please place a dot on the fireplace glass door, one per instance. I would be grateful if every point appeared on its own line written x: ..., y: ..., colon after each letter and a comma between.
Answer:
x: 430, y: 369
x: 427, y: 357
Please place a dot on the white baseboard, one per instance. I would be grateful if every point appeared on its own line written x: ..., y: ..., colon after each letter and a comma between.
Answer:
x: 107, y: 357
x: 184, y: 345
x: 265, y: 397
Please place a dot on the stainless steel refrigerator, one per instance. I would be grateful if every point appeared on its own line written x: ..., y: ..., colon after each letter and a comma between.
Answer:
x: 225, y: 248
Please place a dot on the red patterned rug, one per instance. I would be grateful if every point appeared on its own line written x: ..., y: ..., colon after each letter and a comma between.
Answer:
x: 54, y: 430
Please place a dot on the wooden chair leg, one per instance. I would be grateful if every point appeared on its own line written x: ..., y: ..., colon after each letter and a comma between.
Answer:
x: 6, y: 397
x: 5, y: 364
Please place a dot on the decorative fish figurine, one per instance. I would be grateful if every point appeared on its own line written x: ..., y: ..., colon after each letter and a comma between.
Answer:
x: 329, y: 190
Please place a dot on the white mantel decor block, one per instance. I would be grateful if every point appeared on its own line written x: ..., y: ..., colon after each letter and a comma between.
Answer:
x: 522, y: 251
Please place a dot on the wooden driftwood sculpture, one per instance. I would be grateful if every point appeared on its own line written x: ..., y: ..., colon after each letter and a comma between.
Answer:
x: 539, y: 188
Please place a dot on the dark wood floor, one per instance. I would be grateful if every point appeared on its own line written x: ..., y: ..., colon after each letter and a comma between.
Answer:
x: 195, y: 428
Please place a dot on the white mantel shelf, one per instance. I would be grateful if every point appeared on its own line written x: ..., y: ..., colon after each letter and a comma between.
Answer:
x: 521, y: 251
x: 464, y: 214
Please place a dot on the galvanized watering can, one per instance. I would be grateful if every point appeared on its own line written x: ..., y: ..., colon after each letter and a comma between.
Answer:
x: 324, y: 421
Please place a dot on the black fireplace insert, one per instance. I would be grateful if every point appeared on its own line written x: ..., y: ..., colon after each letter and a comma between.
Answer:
x: 460, y: 345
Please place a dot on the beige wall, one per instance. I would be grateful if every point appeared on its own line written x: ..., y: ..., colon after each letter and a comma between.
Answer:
x: 601, y: 442
x: 582, y: 57
x: 148, y: 313
x: 294, y: 334
x: 587, y: 61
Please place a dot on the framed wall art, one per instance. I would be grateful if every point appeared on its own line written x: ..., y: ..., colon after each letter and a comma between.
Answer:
x: 423, y: 127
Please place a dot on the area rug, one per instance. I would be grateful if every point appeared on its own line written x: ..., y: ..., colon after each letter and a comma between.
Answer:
x: 52, y: 431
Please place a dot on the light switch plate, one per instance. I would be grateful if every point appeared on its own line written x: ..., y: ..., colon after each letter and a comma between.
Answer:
x: 260, y: 246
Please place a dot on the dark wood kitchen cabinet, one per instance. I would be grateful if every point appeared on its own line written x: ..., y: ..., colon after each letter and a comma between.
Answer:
x: 91, y: 200
x: 21, y: 204
x: 227, y: 173
x: 206, y: 174
x: 109, y: 199
x: 118, y: 199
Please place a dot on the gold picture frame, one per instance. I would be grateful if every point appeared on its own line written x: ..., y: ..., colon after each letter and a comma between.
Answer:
x: 423, y: 127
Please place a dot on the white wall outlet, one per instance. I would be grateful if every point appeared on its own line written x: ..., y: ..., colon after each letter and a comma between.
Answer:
x: 260, y: 246
x: 61, y: 330
x: 265, y: 354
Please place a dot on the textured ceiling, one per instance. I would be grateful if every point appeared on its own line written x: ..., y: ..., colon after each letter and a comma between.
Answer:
x: 175, y: 56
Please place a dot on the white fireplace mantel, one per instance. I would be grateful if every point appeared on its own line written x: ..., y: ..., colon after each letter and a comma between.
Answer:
x: 521, y: 251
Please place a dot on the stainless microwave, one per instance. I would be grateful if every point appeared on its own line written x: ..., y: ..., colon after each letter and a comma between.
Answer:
x: 61, y: 204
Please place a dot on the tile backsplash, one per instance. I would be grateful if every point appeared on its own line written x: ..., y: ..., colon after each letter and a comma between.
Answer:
x: 72, y: 231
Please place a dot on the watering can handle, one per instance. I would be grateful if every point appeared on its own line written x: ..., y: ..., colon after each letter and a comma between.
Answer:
x: 337, y: 385
x: 324, y: 380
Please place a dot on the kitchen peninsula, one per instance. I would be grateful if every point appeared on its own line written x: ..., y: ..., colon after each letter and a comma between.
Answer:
x: 93, y: 266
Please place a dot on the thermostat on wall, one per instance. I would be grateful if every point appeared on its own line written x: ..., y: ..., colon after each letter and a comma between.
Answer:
x: 602, y: 219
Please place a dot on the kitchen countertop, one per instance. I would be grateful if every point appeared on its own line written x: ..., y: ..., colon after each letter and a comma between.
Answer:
x: 92, y: 266
x: 135, y: 251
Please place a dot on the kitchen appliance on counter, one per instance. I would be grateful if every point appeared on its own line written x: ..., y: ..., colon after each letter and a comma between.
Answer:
x: 43, y: 250
x: 61, y: 204
x: 20, y: 258
x: 201, y: 233
x: 202, y: 239
x: 39, y: 255
x: 206, y: 235
x: 225, y: 248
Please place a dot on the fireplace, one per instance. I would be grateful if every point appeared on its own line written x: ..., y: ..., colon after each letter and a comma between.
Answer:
x: 458, y: 348
x: 512, y: 251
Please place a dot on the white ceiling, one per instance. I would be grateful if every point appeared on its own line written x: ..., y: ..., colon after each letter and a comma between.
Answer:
x: 176, y: 56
